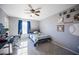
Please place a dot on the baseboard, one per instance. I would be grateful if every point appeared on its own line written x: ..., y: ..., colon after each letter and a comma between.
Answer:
x: 58, y: 44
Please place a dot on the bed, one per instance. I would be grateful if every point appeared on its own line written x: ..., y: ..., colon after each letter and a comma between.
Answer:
x: 39, y: 38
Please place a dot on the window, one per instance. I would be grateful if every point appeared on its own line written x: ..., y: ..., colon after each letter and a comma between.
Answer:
x: 24, y: 27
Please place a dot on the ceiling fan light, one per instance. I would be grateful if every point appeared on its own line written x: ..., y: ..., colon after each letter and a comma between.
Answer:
x: 37, y: 14
x: 33, y: 12
x: 37, y: 11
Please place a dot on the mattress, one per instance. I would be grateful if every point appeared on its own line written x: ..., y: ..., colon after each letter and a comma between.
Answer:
x: 36, y: 37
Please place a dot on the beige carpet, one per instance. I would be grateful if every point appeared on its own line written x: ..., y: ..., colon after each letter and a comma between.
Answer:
x: 46, y: 49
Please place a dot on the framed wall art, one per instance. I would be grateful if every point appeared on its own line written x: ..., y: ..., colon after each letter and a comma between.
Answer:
x: 60, y: 28
x: 76, y: 17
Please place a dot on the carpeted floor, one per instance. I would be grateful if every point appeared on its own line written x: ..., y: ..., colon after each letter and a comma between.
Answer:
x: 26, y: 47
x: 46, y: 49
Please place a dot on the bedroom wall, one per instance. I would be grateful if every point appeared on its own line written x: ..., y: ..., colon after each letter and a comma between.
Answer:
x: 5, y: 21
x: 4, y: 18
x: 13, y: 24
x: 13, y: 21
x: 49, y: 26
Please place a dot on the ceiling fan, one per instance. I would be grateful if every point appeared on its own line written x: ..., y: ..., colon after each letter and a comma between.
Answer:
x: 32, y: 10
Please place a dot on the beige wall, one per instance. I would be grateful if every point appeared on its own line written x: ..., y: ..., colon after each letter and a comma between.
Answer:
x: 4, y: 18
x: 13, y: 24
x: 48, y: 26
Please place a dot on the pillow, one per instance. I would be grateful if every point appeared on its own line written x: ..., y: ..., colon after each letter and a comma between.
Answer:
x: 35, y: 32
x: 2, y: 40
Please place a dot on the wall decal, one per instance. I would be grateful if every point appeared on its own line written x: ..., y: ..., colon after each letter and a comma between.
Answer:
x: 72, y: 10
x: 76, y: 17
x: 68, y: 16
x: 65, y: 12
x: 60, y: 14
x: 60, y: 28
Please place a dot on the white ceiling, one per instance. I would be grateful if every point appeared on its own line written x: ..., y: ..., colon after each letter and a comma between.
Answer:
x: 17, y: 10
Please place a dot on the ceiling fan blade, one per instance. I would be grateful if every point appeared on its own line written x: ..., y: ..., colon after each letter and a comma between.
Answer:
x: 37, y: 14
x: 38, y: 9
x: 30, y: 6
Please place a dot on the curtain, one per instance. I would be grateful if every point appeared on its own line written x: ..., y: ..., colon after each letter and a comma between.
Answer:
x: 28, y: 27
x: 20, y: 27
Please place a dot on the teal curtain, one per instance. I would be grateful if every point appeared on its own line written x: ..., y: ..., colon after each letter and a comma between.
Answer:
x: 28, y: 27
x: 20, y: 27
